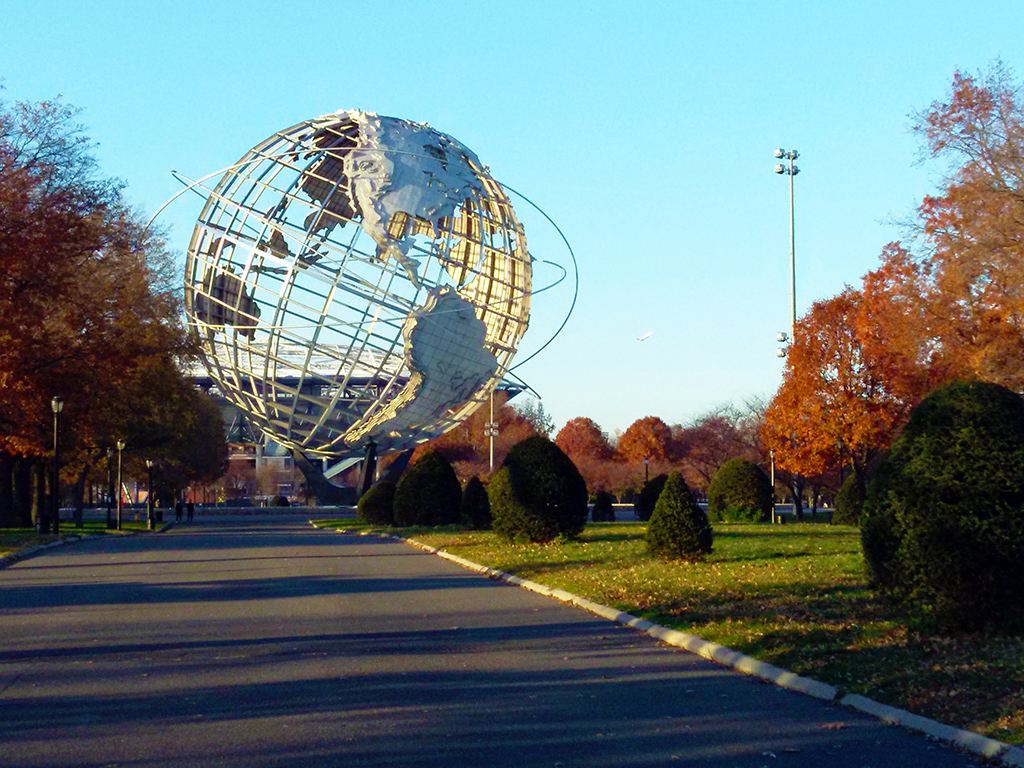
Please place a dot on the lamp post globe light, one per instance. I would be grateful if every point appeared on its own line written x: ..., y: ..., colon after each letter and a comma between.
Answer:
x: 120, y: 449
x: 57, y: 404
x: 791, y: 171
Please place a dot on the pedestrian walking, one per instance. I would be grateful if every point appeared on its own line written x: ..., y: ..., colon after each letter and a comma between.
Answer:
x: 191, y: 510
x: 178, y: 509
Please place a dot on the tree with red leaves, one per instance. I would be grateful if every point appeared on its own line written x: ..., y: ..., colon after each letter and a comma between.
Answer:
x: 582, y: 439
x: 88, y: 310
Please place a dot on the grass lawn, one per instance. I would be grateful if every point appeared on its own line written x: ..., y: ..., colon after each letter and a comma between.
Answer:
x: 796, y: 596
x: 15, y: 539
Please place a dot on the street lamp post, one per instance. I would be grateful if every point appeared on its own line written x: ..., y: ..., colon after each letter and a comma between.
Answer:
x: 647, y: 473
x: 120, y: 448
x: 110, y: 487
x: 57, y: 404
x: 149, y: 496
x: 790, y: 171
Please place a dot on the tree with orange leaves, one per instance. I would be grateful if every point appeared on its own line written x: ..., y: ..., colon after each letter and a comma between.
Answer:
x: 973, y: 256
x: 646, y: 438
x: 952, y: 310
x: 835, y: 399
x: 894, y: 326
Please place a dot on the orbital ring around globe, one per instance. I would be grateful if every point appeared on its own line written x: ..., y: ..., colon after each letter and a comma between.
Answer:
x: 358, y: 279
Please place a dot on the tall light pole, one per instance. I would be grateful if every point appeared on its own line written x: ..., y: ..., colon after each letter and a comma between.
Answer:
x: 491, y: 430
x: 120, y: 448
x: 790, y: 171
x: 57, y: 404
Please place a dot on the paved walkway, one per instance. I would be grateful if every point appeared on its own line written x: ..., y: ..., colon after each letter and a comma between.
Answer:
x: 262, y: 642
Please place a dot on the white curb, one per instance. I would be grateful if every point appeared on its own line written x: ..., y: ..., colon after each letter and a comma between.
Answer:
x: 972, y: 742
x: 975, y: 743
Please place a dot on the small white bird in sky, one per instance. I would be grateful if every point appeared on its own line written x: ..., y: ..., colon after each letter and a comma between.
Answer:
x: 645, y: 336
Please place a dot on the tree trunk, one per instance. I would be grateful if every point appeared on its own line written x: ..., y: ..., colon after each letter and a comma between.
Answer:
x: 815, y: 498
x: 797, y: 488
x: 22, y: 503
x: 79, y: 494
x: 860, y: 471
x: 7, y: 516
x: 38, y: 490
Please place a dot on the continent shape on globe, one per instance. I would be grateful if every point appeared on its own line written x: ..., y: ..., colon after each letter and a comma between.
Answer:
x: 358, y: 278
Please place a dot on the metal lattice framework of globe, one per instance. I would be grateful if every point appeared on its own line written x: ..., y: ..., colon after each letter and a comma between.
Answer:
x: 357, y: 278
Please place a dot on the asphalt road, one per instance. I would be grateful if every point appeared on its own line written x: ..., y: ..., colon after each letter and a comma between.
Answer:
x: 256, y: 642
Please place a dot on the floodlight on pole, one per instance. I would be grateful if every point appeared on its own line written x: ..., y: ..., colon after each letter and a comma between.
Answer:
x: 491, y: 431
x: 791, y: 171
x: 782, y: 338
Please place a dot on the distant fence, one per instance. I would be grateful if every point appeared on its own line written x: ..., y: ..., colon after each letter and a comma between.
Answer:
x: 131, y: 510
x: 342, y: 511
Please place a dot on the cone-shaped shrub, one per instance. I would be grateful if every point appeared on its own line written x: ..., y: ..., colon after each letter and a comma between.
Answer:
x: 376, y: 505
x: 678, y: 529
x: 943, y: 524
x: 603, y: 511
x: 428, y: 493
x: 539, y: 493
x: 849, y: 502
x: 476, y: 507
x: 740, y: 493
x: 648, y: 497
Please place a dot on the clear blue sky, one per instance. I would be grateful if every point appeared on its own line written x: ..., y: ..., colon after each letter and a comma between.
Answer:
x: 644, y: 129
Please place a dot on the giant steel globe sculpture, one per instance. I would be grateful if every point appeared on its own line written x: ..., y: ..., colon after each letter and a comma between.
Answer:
x: 357, y: 279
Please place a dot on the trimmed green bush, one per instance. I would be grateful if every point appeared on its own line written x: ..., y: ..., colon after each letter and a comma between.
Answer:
x: 738, y: 515
x: 849, y: 502
x: 603, y: 511
x: 943, y: 523
x: 376, y: 505
x: 476, y: 507
x: 644, y: 503
x: 539, y: 493
x: 678, y: 529
x: 740, y: 493
x: 428, y: 493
